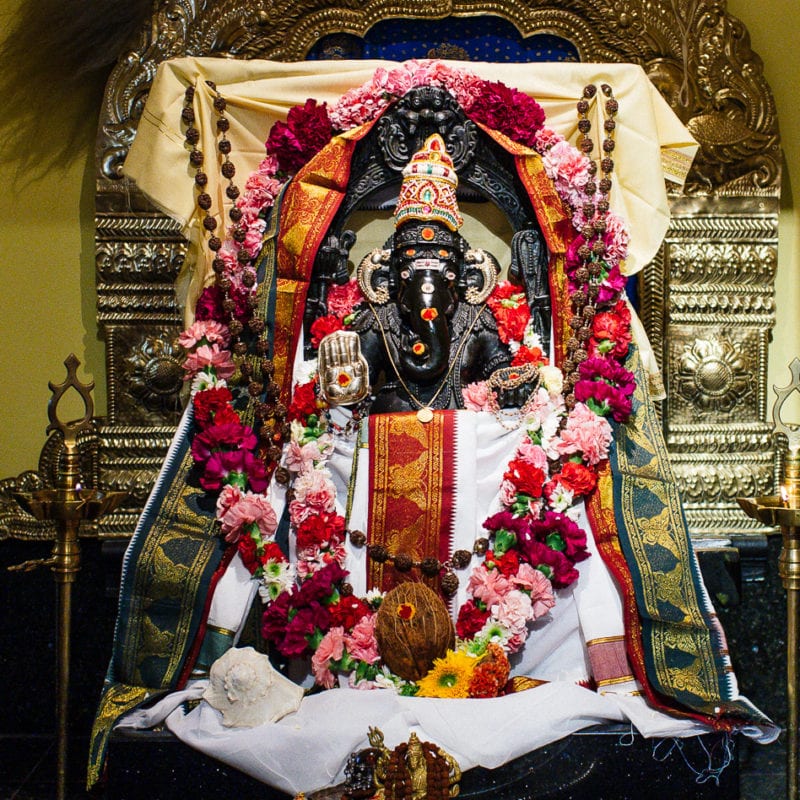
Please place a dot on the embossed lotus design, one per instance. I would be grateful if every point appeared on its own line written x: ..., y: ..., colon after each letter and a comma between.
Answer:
x: 713, y: 375
x: 154, y: 373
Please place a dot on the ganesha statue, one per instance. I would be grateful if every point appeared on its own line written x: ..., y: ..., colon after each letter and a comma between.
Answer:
x: 431, y: 414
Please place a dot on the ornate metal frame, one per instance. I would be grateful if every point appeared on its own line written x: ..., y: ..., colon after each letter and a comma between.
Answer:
x: 707, y: 299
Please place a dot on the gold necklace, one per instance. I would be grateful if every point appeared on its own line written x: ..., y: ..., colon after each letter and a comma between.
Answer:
x: 425, y: 412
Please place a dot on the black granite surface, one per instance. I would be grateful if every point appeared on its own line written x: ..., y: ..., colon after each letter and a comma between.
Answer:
x: 602, y: 764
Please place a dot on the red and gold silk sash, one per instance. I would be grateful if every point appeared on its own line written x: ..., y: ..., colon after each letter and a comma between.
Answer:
x: 311, y: 201
x: 412, y: 481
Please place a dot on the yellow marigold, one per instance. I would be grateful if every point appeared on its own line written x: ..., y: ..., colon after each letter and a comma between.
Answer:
x: 449, y: 677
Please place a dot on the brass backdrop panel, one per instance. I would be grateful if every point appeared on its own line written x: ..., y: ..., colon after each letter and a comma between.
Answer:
x: 707, y: 299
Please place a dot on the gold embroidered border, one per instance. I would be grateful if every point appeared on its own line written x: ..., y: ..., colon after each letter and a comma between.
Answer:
x: 653, y: 517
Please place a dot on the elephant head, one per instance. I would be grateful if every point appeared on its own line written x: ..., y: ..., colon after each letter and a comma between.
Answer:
x: 426, y: 264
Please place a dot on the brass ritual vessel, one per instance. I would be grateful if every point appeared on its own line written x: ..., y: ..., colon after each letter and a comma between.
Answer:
x: 68, y: 505
x: 783, y: 510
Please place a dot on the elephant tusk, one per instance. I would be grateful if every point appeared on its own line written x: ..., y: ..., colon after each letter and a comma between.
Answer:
x: 370, y: 264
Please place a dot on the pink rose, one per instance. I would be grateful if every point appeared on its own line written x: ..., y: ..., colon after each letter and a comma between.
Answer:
x: 361, y: 643
x: 331, y: 648
x: 251, y: 508
x: 316, y: 490
x: 546, y: 138
x: 513, y: 611
x: 587, y: 433
x: 343, y: 299
x: 488, y: 585
x: 538, y: 587
x: 301, y: 458
x: 532, y: 454
x: 508, y: 493
x: 398, y: 81
x: 210, y: 356
x: 616, y: 238
x: 479, y: 397
x: 228, y: 498
x: 209, y: 330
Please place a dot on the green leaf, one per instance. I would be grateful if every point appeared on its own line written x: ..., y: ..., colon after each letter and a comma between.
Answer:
x: 503, y: 541
x: 555, y: 542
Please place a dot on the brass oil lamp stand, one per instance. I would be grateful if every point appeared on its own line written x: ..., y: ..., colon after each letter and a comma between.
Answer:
x: 783, y: 510
x: 67, y: 505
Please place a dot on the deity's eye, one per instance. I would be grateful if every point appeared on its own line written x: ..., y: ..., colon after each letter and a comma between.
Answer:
x: 411, y: 252
x: 428, y: 234
x: 444, y: 254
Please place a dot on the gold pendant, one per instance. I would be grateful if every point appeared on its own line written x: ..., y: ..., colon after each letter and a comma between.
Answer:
x: 425, y: 414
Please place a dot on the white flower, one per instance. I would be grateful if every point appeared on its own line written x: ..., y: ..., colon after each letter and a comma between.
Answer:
x: 305, y: 371
x: 373, y: 596
x: 298, y: 430
x: 206, y: 380
x: 561, y: 498
x: 386, y: 679
x: 548, y: 433
x: 530, y: 338
x: 493, y: 632
x: 280, y: 572
x: 552, y: 378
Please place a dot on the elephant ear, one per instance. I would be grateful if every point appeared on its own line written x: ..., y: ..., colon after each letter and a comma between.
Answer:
x: 372, y: 276
x: 484, y: 262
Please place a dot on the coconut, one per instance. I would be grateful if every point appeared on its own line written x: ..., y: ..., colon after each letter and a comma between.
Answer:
x: 413, y: 627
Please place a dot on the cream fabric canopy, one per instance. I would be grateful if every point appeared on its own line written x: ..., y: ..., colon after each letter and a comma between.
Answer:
x: 652, y: 143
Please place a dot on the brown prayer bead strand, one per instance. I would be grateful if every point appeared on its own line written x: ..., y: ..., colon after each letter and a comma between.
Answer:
x: 256, y: 370
x: 238, y: 230
x: 197, y: 159
x: 429, y: 566
x: 594, y: 226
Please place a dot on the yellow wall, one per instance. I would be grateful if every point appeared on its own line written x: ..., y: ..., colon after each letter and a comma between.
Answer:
x: 47, y: 257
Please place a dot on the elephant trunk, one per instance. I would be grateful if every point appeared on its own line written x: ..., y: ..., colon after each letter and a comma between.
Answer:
x: 426, y: 305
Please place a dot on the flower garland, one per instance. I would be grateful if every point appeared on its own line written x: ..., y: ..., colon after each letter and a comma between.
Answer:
x: 535, y: 543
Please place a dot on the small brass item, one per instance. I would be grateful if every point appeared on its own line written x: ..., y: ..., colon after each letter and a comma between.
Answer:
x: 67, y: 505
x: 427, y: 770
x: 783, y: 510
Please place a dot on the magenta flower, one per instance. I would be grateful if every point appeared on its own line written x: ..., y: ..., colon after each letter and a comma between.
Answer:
x: 224, y: 467
x: 505, y: 520
x: 320, y: 585
x: 209, y: 305
x: 228, y: 436
x: 604, y: 399
x: 612, y: 284
x: 553, y: 563
x: 306, y: 131
x: 609, y: 371
x: 509, y: 111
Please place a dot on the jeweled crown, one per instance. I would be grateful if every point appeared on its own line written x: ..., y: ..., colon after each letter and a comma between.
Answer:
x: 429, y: 187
